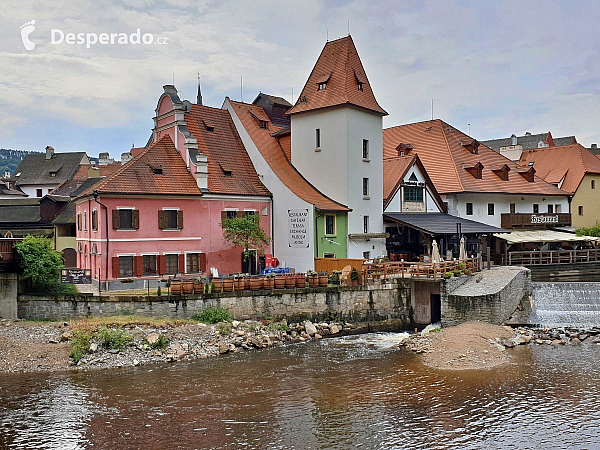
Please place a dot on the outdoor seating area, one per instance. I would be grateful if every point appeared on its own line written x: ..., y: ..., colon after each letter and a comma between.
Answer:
x: 543, y: 257
x: 407, y: 269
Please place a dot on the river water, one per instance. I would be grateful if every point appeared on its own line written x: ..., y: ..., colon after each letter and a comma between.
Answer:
x: 352, y: 392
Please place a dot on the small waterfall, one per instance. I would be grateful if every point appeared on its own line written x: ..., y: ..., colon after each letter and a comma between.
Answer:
x: 566, y: 305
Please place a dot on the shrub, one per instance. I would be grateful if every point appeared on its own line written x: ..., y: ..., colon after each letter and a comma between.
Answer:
x: 114, y: 339
x: 80, y: 344
x: 354, y: 274
x: 460, y: 266
x: 457, y: 272
x: 448, y: 275
x: 161, y: 342
x: 467, y: 272
x: 278, y: 326
x: 224, y: 328
x: 213, y: 315
x: 158, y: 291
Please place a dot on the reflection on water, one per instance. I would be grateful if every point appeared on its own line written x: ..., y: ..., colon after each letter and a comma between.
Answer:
x: 349, y: 392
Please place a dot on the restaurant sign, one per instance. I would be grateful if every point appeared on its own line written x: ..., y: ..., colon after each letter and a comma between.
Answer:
x: 298, y: 228
x: 76, y: 276
x: 535, y: 219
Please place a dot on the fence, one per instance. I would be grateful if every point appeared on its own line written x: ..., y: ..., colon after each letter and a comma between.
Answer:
x: 418, y: 269
x: 544, y: 257
x: 329, y: 265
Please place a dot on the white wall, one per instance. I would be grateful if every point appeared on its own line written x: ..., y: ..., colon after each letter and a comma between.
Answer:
x: 523, y: 204
x: 31, y: 189
x: 395, y: 206
x: 302, y: 259
x: 338, y: 169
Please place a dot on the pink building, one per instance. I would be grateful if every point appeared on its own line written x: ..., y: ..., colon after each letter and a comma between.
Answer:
x: 160, y: 214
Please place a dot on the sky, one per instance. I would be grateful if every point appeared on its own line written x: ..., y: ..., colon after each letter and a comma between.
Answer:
x: 502, y: 67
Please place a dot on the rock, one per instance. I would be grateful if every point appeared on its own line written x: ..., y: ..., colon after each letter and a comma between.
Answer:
x: 136, y: 362
x: 525, y: 339
x: 583, y: 336
x: 157, y: 353
x: 334, y: 329
x: 596, y: 341
x: 257, y: 342
x: 575, y: 341
x: 223, y: 348
x: 114, y: 351
x: 93, y: 347
x: 508, y: 343
x: 498, y: 347
x: 539, y: 341
x: 185, y: 347
x: 557, y: 342
x: 235, y: 323
x: 232, y: 347
x: 310, y: 328
x: 318, y: 336
x: 152, y: 338
x: 240, y: 333
x: 325, y: 332
x: 53, y: 340
x: 65, y: 324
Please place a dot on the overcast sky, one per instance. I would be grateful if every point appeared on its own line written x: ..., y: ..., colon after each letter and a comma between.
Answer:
x: 503, y: 67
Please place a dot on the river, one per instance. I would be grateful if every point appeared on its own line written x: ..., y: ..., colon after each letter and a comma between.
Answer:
x: 342, y: 393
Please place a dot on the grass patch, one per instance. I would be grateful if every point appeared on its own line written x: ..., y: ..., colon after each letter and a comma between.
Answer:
x: 80, y: 344
x: 113, y: 339
x: 224, y: 328
x: 160, y: 344
x: 278, y: 326
x: 213, y: 315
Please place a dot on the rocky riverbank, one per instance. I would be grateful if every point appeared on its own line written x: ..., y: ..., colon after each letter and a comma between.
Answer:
x: 479, y: 345
x: 44, y: 346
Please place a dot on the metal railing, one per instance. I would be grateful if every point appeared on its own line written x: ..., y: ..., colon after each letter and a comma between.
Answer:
x: 418, y: 269
x: 546, y: 257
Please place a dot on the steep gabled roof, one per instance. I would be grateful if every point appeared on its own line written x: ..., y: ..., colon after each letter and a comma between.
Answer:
x: 36, y: 169
x: 443, y: 153
x: 338, y: 66
x: 275, y: 149
x: 571, y: 162
x: 273, y: 99
x: 138, y: 175
x: 225, y: 152
x: 529, y: 141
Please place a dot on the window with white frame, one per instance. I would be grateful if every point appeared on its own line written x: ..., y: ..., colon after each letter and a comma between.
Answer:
x: 171, y: 264
x: 365, y: 149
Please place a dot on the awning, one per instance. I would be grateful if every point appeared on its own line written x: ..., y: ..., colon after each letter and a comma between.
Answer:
x: 440, y: 223
x: 518, y: 237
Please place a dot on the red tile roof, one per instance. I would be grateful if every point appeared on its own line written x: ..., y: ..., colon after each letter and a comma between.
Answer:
x: 572, y: 162
x: 276, y: 150
x: 138, y: 177
x: 225, y: 152
x: 340, y: 67
x: 445, y: 153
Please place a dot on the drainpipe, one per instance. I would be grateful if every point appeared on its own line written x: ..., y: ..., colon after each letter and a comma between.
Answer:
x: 317, y: 215
x: 95, y: 194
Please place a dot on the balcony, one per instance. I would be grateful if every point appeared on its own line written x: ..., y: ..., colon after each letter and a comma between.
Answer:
x: 534, y: 220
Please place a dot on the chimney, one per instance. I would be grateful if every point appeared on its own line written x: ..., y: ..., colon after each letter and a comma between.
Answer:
x: 169, y: 89
x: 202, y: 171
x: 125, y: 157
x: 49, y: 152
x: 527, y: 133
x: 513, y: 140
x: 594, y: 145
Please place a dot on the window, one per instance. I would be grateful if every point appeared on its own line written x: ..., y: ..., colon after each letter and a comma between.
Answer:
x: 149, y: 264
x: 413, y: 177
x: 360, y: 86
x: 322, y: 86
x: 125, y: 266
x: 192, y: 263
x: 210, y: 129
x: 557, y: 209
x: 85, y: 221
x: 157, y: 171
x: 413, y: 194
x: 171, y: 219
x: 328, y: 255
x: 580, y: 210
x: 536, y: 208
x: 95, y: 220
x: 366, y: 223
x: 550, y: 209
x: 250, y: 213
x: 227, y: 173
x: 38, y: 192
x: 79, y: 221
x: 231, y: 214
x: 513, y: 208
x: 318, y: 137
x: 171, y: 264
x: 366, y: 255
x: 126, y: 219
x: 490, y: 209
x: 593, y: 184
x: 469, y: 209
x: 365, y: 149
x: 264, y: 125
x: 365, y: 187
x: 330, y: 224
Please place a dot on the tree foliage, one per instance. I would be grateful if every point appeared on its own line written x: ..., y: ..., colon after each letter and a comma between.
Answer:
x: 589, y: 231
x: 245, y: 232
x: 42, y: 264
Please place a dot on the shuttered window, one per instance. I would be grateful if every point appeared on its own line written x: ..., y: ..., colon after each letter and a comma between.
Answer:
x: 125, y: 266
x: 170, y: 219
x: 171, y: 264
x: 95, y: 220
x: 126, y: 219
x: 192, y: 263
x: 149, y: 264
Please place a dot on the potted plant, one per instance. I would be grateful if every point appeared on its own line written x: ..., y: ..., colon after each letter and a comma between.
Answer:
x: 279, y: 282
x: 238, y: 283
x: 323, y: 279
x: 290, y: 281
x: 313, y: 279
x: 256, y: 283
x: 300, y: 279
x: 218, y: 284
x: 198, y: 286
x: 354, y: 276
x: 334, y: 278
x: 227, y: 284
x: 175, y: 286
x: 269, y: 281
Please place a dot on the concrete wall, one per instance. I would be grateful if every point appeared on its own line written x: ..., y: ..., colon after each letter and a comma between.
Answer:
x: 590, y: 200
x: 353, y: 304
x: 8, y: 295
x: 469, y: 302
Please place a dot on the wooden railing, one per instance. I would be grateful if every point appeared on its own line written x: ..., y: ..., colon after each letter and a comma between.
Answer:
x: 418, y: 269
x: 545, y: 257
x: 6, y: 250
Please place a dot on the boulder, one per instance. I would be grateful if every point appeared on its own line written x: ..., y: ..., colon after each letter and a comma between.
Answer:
x: 257, y: 342
x: 557, y: 342
x: 575, y: 341
x: 310, y: 328
x: 334, y: 329
x: 67, y: 335
x: 223, y: 348
x: 235, y: 323
x: 93, y: 347
x: 152, y: 338
x: 508, y: 343
x: 318, y: 336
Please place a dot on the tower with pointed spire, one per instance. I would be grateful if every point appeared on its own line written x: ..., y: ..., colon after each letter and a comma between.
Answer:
x: 337, y: 142
x: 199, y: 96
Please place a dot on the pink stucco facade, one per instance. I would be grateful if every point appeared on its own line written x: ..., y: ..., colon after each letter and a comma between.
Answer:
x: 201, y: 232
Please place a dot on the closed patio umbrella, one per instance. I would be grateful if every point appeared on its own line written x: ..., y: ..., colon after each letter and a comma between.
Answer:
x: 435, y: 252
x: 463, y: 249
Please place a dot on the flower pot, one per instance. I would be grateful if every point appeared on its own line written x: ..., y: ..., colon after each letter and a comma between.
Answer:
x: 198, y: 287
x: 246, y: 283
x: 268, y: 282
x: 300, y: 280
x: 218, y: 282
x: 175, y: 287
x: 227, y: 284
x: 323, y: 280
x: 238, y: 284
x: 256, y: 283
x: 354, y: 282
x: 313, y: 280
x: 279, y: 282
x: 187, y: 287
x: 290, y: 282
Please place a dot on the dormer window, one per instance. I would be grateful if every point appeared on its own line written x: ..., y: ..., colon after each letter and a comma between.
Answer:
x: 528, y: 173
x: 322, y: 82
x: 502, y: 171
x: 476, y: 170
x: 264, y: 124
x: 360, y: 86
x: 210, y: 129
x: 322, y: 86
x: 52, y: 174
x: 359, y: 81
x: 227, y: 173
x: 404, y: 149
x: 157, y: 170
x: 472, y: 146
x: 530, y: 163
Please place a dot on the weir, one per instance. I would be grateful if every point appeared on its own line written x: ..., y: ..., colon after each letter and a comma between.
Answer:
x: 565, y: 305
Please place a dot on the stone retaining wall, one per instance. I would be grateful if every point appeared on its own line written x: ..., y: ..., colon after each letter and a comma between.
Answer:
x: 335, y: 303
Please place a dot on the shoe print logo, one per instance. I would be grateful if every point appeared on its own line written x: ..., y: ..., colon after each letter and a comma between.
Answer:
x: 26, y: 29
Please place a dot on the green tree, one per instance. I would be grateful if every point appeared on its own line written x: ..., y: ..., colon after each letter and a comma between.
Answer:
x: 589, y: 231
x: 42, y: 264
x: 245, y: 232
